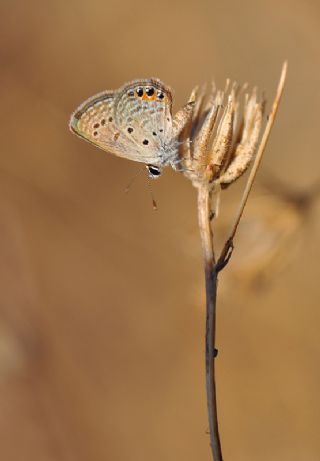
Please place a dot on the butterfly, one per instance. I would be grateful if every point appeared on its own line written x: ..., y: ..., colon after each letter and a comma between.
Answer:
x: 135, y: 122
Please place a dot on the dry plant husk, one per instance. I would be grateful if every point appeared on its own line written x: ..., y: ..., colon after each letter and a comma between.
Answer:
x: 223, y: 135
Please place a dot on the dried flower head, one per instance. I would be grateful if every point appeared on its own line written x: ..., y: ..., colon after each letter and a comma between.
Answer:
x: 223, y: 133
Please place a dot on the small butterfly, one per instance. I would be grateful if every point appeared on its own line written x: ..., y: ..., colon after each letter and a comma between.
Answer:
x: 134, y: 122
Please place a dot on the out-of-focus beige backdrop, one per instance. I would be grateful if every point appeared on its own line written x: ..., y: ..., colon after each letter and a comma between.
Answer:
x: 101, y: 305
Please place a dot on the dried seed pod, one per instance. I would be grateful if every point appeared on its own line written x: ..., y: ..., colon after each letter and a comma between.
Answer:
x: 222, y: 145
x: 201, y: 142
x: 182, y: 118
x: 245, y: 150
x: 223, y: 139
x: 202, y: 137
x: 185, y: 134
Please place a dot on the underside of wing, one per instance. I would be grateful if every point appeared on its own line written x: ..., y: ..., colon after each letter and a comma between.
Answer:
x: 95, y: 122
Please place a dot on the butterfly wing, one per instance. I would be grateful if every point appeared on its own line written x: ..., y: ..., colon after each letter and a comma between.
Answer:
x: 143, y: 110
x: 94, y: 121
x: 134, y: 122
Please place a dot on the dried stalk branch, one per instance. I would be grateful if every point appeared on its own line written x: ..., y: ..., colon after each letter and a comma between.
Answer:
x: 204, y: 210
x: 228, y: 247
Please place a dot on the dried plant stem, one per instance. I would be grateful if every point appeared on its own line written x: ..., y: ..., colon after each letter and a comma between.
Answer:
x: 204, y: 210
x: 212, y: 268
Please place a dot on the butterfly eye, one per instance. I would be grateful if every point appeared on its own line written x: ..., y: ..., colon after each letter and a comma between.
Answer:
x: 140, y: 92
x: 150, y: 91
x: 160, y: 95
x: 130, y: 93
x: 154, y: 171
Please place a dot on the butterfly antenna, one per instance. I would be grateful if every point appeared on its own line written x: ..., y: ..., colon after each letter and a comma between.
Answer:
x: 154, y: 203
x: 132, y: 181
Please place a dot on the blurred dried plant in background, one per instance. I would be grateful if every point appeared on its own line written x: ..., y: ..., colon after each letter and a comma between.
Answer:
x: 271, y: 235
x: 72, y: 237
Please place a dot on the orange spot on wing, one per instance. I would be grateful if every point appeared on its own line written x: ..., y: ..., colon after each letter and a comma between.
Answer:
x: 145, y: 97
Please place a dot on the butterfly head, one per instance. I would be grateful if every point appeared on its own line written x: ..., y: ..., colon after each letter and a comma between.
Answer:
x: 154, y: 171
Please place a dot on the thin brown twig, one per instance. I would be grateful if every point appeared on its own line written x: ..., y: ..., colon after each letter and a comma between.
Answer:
x: 204, y: 210
x: 228, y: 247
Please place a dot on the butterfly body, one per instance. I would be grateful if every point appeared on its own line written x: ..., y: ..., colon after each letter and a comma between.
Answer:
x: 134, y: 122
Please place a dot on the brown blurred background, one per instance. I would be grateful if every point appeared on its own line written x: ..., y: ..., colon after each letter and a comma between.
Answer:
x: 101, y: 306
